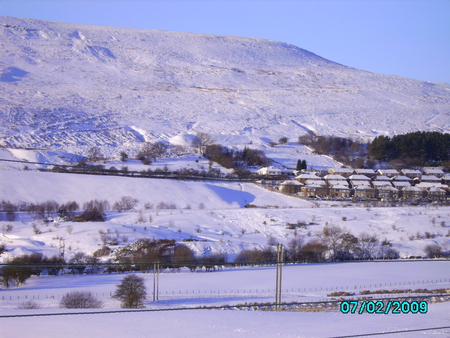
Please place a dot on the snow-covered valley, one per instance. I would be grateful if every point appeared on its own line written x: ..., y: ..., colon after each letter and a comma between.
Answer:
x: 66, y: 88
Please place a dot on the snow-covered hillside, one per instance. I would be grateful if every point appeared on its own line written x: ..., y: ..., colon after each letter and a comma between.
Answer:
x: 210, y: 215
x: 71, y: 86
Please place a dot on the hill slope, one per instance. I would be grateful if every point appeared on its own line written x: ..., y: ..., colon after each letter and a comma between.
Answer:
x: 209, y: 216
x: 72, y: 86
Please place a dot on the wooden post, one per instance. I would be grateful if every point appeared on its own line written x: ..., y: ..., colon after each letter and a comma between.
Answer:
x: 279, y: 275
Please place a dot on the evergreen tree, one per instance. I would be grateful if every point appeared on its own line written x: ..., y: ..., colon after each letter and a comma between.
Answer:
x: 304, y: 166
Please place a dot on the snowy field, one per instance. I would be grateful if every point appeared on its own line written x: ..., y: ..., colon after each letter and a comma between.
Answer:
x: 314, y: 281
x: 211, y: 214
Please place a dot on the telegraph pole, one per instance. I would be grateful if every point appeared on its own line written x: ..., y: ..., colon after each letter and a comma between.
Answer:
x: 155, y: 282
x: 62, y: 246
x: 279, y: 276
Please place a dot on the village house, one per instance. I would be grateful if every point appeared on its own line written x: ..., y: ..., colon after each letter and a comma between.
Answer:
x: 310, y: 178
x: 402, y: 178
x: 446, y: 179
x: 334, y: 177
x: 366, y: 172
x: 411, y: 173
x: 315, y: 191
x: 359, y: 179
x: 363, y: 189
x: 437, y: 194
x: 339, y: 189
x: 388, y: 172
x: 386, y: 192
x: 413, y: 193
x: 269, y: 171
x: 430, y: 178
x: 434, y: 171
x: 268, y: 183
x: 291, y: 187
x: 341, y: 171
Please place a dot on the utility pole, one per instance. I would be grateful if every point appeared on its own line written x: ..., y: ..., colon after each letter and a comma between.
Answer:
x: 62, y: 246
x: 155, y: 282
x: 278, y: 287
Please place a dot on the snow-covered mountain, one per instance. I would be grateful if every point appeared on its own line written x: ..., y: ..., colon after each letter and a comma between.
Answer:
x: 67, y: 86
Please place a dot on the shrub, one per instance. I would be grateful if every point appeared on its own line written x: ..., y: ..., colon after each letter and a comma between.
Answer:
x: 283, y: 140
x: 80, y: 300
x: 433, y: 250
x: 103, y: 251
x: 183, y: 255
x: 93, y: 211
x: 29, y: 305
x: 125, y: 203
x: 67, y: 211
x: 2, y: 248
x: 123, y: 156
x: 131, y: 292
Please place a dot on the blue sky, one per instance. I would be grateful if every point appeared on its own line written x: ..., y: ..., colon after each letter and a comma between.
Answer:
x: 409, y: 38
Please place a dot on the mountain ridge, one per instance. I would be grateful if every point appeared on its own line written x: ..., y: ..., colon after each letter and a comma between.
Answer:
x: 72, y: 86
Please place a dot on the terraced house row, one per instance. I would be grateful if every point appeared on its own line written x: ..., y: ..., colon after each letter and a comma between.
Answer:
x: 386, y: 184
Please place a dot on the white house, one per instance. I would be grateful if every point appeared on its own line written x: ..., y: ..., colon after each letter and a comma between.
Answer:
x: 269, y: 171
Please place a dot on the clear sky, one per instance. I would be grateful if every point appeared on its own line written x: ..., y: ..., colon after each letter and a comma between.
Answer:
x: 409, y: 38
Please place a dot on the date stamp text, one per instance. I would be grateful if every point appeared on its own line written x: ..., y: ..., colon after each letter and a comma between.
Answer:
x: 395, y: 307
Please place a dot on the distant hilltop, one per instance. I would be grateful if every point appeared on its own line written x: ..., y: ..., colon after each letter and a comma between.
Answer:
x: 70, y: 86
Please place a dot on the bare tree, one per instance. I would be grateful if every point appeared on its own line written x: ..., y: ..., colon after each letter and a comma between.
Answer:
x: 433, y: 250
x: 152, y: 151
x: 340, y: 242
x: 131, y: 292
x: 125, y: 203
x: 95, y: 154
x: 202, y: 140
x: 365, y: 248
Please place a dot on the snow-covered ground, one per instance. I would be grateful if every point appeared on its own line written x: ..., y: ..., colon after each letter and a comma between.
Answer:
x: 209, y: 212
x: 232, y: 286
x: 71, y: 86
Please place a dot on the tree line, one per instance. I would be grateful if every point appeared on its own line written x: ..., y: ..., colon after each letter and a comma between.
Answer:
x: 413, y: 149
x: 416, y: 148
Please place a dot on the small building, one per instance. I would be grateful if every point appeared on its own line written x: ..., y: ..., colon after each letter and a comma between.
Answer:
x: 434, y: 171
x: 411, y: 173
x: 335, y: 177
x: 387, y: 192
x: 267, y: 183
x: 308, y: 177
x: 379, y: 184
x: 366, y: 172
x: 363, y: 190
x: 446, y: 179
x: 437, y: 194
x: 403, y: 178
x: 314, y: 191
x: 430, y: 178
x: 388, y: 172
x: 401, y: 184
x: 356, y: 180
x: 291, y: 187
x: 340, y: 171
x: 269, y: 171
x: 413, y: 193
x: 339, y: 189
x: 428, y: 185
